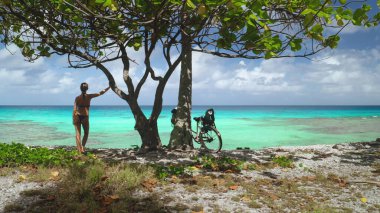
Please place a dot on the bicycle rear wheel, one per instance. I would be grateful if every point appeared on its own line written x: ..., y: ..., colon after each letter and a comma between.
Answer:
x: 212, y: 140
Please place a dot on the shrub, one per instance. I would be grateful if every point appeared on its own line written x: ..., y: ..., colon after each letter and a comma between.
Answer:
x: 223, y: 163
x: 283, y: 161
x: 16, y: 154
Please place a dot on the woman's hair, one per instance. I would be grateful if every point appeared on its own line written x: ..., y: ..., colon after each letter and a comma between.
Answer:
x: 83, y: 88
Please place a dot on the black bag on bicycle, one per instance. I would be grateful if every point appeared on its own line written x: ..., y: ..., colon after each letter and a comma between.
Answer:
x: 174, y: 116
x: 208, y: 120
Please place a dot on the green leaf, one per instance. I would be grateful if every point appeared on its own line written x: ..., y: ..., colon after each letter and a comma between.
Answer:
x: 295, y: 44
x: 340, y: 22
x: 253, y: 17
x: 317, y: 29
x: 250, y: 23
x: 77, y: 19
x: 343, y: 1
x: 347, y: 15
x: 332, y: 41
x: 190, y: 4
x: 366, y: 7
x: 107, y: 3
x: 221, y: 43
x: 276, y: 43
x: 309, y: 20
x: 308, y: 11
x: 226, y: 19
x: 137, y: 46
x: 358, y: 16
x: 315, y: 4
x: 269, y: 55
x: 323, y: 15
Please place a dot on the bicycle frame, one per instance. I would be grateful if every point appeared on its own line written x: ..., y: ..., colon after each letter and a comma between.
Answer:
x: 196, y: 133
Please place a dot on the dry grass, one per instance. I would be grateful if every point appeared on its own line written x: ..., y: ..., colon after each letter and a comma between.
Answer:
x: 44, y: 174
x: 33, y: 193
x: 301, y: 194
x: 90, y: 186
x: 13, y: 208
x: 6, y: 171
x: 94, y: 186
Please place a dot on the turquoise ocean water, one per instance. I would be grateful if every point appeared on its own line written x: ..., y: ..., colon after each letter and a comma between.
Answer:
x: 240, y: 126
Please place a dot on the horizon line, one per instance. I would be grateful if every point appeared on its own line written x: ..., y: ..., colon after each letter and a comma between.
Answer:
x: 220, y: 105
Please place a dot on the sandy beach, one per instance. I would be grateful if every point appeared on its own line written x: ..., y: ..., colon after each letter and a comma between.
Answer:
x: 322, y: 178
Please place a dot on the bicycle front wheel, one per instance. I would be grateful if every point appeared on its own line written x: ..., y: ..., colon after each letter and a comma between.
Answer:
x: 212, y: 140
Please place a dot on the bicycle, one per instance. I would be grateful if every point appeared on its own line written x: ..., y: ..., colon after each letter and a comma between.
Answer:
x: 206, y: 134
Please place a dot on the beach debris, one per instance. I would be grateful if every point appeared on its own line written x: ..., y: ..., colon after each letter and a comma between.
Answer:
x: 54, y: 176
x: 149, y: 184
x: 269, y: 174
x: 97, y: 189
x: 54, y: 173
x: 273, y: 196
x: 342, y: 182
x: 363, y: 200
x: 246, y: 199
x: 104, y: 178
x: 21, y: 178
x: 234, y: 187
x: 50, y: 198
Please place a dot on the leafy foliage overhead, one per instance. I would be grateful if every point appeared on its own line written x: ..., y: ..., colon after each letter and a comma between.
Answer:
x: 91, y: 29
x: 274, y: 28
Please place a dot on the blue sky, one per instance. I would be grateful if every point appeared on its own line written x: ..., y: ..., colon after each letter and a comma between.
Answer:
x: 348, y: 75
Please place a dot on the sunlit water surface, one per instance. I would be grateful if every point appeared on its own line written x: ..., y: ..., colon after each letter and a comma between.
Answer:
x: 240, y: 126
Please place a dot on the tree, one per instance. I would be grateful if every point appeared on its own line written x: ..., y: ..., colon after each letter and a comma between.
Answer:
x: 94, y: 32
x: 260, y: 29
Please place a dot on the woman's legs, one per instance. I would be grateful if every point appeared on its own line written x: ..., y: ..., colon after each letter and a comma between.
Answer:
x: 86, y: 129
x: 77, y: 138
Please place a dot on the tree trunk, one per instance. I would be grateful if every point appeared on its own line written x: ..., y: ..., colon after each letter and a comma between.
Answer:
x: 147, y: 129
x: 181, y: 134
x: 149, y: 134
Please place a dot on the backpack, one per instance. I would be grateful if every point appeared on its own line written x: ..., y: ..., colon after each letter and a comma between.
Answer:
x: 174, y: 114
x: 209, y: 118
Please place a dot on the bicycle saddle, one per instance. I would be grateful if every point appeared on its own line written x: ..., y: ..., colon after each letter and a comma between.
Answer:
x: 197, y: 119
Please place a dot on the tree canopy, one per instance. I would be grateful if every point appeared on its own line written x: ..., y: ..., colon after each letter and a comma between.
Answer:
x: 273, y: 28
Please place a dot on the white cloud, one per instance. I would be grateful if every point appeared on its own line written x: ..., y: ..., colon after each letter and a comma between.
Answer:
x: 267, y: 76
x: 349, y: 29
x: 337, y: 89
x: 338, y: 76
x: 256, y: 81
x: 346, y: 72
x: 330, y: 61
x: 15, y: 77
x: 31, y: 78
x: 343, y: 74
x: 11, y: 58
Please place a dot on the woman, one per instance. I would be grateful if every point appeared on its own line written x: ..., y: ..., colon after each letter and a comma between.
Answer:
x: 81, y: 113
